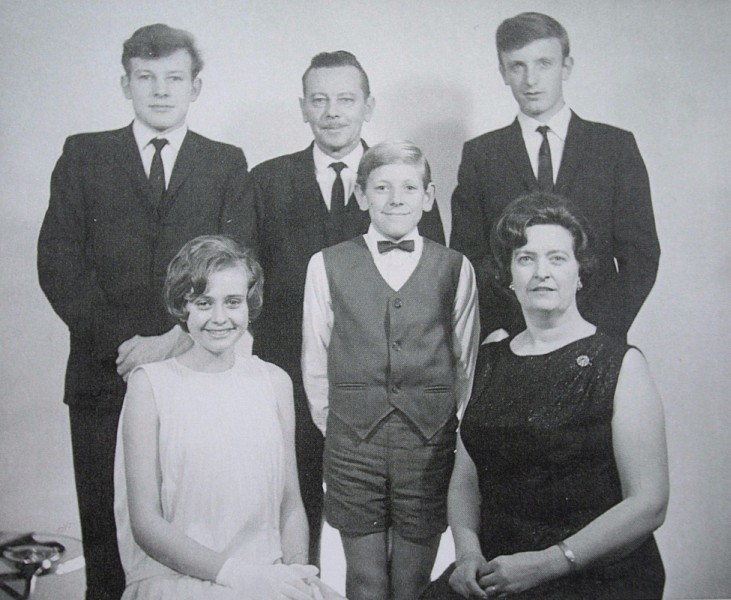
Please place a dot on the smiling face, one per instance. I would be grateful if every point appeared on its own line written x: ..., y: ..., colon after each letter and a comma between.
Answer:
x: 535, y: 74
x: 161, y: 89
x: 336, y: 107
x: 220, y: 316
x: 395, y: 198
x: 545, y: 271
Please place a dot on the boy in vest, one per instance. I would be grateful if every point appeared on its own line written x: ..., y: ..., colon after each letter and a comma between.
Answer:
x: 390, y: 336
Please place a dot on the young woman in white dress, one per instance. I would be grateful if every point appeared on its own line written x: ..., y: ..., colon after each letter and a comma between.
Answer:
x: 207, y: 499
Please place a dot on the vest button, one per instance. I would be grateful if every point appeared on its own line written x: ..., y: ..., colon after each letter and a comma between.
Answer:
x: 394, y: 389
x: 396, y: 346
x: 398, y: 303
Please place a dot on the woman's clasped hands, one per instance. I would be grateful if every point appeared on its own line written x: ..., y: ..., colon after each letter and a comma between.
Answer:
x: 475, y: 577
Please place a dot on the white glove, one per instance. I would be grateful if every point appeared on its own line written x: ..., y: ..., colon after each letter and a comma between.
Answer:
x: 267, y: 582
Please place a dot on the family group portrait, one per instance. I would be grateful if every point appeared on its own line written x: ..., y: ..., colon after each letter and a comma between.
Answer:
x: 365, y: 300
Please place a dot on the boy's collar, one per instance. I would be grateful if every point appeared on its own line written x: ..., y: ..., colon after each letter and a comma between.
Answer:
x: 376, y: 236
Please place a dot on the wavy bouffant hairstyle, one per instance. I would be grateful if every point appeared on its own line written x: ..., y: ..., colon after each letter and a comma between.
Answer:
x: 188, y: 273
x: 539, y: 208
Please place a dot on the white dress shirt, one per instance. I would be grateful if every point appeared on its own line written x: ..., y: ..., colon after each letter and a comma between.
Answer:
x: 395, y: 267
x: 326, y: 175
x: 144, y: 136
x: 558, y: 129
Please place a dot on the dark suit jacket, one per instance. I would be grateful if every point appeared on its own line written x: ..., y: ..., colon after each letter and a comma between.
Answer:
x: 103, y: 248
x: 603, y: 174
x: 293, y: 223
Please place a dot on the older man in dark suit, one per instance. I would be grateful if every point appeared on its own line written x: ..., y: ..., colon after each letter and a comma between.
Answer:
x: 548, y: 147
x: 304, y: 202
x: 122, y: 204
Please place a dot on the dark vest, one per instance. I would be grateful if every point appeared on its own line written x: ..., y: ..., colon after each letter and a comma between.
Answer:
x: 391, y: 350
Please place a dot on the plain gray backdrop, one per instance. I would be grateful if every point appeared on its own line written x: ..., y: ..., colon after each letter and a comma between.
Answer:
x: 659, y: 68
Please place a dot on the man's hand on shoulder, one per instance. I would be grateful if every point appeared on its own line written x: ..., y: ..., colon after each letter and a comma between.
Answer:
x: 139, y: 350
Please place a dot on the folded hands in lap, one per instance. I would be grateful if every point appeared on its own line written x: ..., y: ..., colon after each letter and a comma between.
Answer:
x: 474, y: 577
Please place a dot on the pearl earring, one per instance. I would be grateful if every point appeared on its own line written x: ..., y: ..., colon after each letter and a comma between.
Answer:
x: 511, y: 286
x: 579, y: 285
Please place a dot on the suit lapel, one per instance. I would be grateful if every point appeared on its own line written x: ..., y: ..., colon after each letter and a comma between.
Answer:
x: 304, y: 179
x: 185, y: 164
x: 518, y: 155
x: 304, y: 184
x: 572, y: 153
x: 128, y: 157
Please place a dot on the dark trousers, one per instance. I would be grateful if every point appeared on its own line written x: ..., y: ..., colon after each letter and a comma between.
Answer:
x: 93, y: 440
x: 308, y: 446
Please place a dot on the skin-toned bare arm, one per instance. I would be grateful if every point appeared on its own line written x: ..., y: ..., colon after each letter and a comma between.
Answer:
x: 156, y: 536
x: 638, y: 438
x: 464, y: 519
x: 293, y: 521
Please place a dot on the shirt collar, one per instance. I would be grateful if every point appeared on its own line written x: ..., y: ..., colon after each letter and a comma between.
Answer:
x: 143, y: 134
x: 559, y: 123
x: 323, y: 161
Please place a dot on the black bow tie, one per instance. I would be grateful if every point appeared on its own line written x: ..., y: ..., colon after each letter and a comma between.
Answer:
x: 386, y: 246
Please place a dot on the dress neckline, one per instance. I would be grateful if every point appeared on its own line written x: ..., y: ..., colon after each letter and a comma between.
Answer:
x: 566, y: 346
x: 237, y: 360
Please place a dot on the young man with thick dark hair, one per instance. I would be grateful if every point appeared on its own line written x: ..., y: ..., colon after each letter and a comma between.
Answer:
x: 122, y: 204
x: 549, y: 147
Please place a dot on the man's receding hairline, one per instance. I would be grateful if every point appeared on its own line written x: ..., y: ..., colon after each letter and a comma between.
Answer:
x: 361, y: 78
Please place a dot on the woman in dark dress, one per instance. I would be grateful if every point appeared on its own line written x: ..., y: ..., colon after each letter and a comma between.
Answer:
x: 561, y: 474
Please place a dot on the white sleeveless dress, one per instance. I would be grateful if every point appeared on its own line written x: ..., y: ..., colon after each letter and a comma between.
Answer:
x: 222, y: 462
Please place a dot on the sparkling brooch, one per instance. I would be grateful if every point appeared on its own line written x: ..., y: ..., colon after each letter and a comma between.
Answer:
x: 583, y: 360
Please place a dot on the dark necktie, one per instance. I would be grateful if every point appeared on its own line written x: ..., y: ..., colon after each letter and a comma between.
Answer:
x: 545, y: 168
x: 386, y: 246
x: 157, y: 171
x: 337, y: 197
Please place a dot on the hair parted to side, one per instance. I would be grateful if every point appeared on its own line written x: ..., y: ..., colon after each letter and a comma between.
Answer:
x: 400, y: 152
x: 160, y: 40
x: 339, y: 58
x: 190, y: 269
x: 527, y: 27
x: 539, y: 208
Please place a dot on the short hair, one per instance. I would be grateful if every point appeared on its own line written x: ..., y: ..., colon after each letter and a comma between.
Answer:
x: 339, y: 58
x: 389, y: 153
x: 527, y: 27
x: 539, y: 208
x: 189, y: 271
x: 160, y: 40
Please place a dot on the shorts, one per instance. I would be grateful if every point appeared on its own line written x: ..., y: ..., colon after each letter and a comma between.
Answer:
x: 394, y: 478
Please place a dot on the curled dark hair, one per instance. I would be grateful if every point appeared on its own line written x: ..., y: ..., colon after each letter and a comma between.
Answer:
x: 339, y: 58
x: 160, y: 40
x: 539, y: 208
x: 188, y: 273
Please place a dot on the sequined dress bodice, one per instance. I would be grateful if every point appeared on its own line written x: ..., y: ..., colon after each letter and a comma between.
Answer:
x: 539, y: 430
